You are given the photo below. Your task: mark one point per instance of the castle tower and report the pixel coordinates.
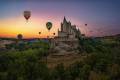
(69, 27)
(64, 26)
(64, 20)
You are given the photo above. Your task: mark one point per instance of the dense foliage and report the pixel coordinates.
(101, 62)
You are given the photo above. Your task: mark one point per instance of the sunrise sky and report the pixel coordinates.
(102, 16)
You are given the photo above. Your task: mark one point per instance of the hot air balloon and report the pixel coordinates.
(85, 24)
(19, 36)
(39, 32)
(49, 25)
(53, 33)
(27, 15)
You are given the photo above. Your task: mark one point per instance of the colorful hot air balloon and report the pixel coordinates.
(27, 15)
(49, 25)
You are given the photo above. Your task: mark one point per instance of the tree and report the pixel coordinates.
(60, 72)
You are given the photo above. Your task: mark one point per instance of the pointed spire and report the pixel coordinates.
(79, 31)
(69, 23)
(64, 19)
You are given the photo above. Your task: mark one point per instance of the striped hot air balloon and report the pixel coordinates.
(27, 15)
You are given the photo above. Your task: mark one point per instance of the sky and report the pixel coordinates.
(101, 16)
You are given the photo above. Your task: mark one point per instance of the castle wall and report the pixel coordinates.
(62, 34)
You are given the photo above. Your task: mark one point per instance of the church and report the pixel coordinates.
(68, 31)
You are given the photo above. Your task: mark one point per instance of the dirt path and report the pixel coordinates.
(66, 59)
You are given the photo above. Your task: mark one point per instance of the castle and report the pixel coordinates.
(67, 39)
(68, 31)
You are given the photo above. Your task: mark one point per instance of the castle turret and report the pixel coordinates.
(65, 25)
(69, 23)
(64, 20)
(61, 26)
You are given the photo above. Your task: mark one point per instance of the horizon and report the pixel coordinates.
(102, 17)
